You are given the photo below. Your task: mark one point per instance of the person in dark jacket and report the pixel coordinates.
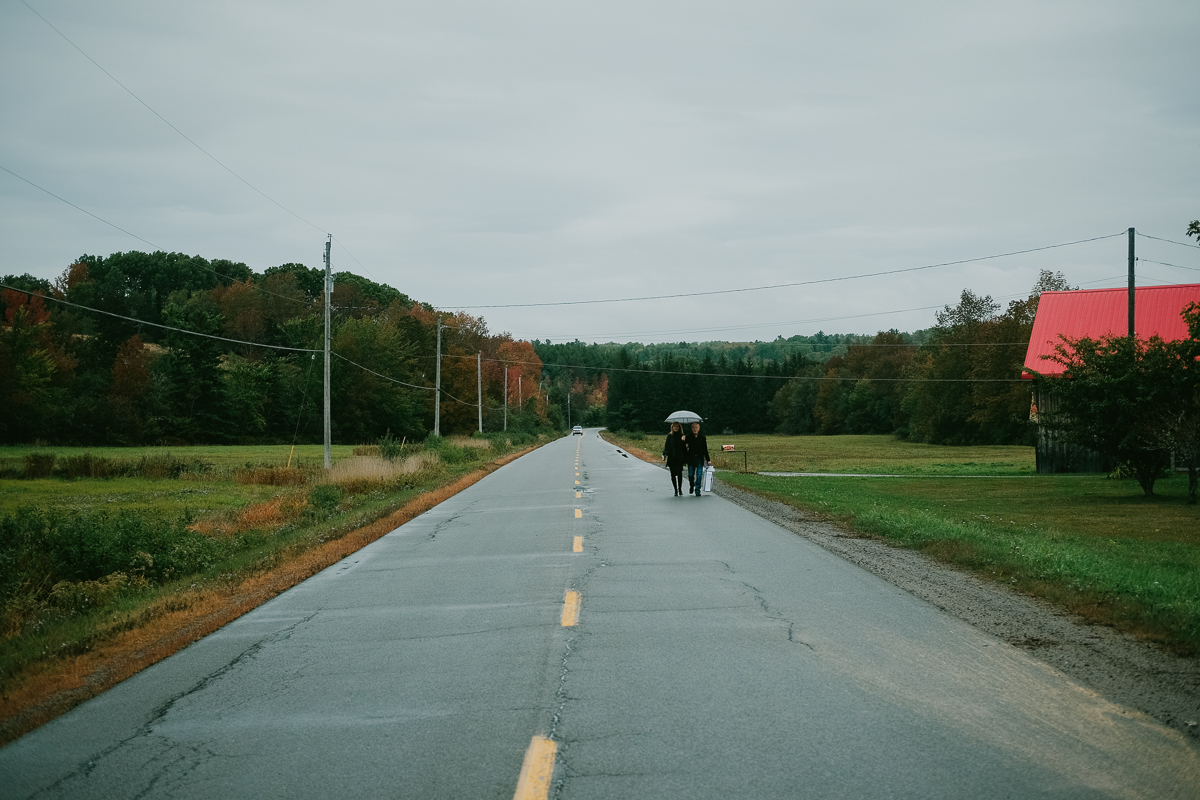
(675, 454)
(698, 458)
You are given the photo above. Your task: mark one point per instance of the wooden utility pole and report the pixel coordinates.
(479, 384)
(437, 392)
(328, 316)
(1132, 333)
(506, 398)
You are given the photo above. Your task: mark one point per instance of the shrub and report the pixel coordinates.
(92, 466)
(38, 465)
(271, 476)
(389, 448)
(325, 497)
(78, 597)
(67, 560)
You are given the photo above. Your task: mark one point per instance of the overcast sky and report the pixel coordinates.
(488, 153)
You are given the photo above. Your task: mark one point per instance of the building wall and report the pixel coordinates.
(1054, 455)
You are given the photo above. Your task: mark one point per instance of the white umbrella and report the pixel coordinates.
(684, 417)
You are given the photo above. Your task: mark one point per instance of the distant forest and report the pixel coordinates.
(83, 372)
(955, 383)
(103, 361)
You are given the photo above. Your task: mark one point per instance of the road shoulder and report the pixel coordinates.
(1122, 669)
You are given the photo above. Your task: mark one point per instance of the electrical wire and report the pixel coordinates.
(385, 377)
(797, 283)
(84, 210)
(229, 278)
(190, 141)
(1165, 264)
(1170, 241)
(166, 121)
(158, 325)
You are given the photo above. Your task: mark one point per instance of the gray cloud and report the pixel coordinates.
(479, 153)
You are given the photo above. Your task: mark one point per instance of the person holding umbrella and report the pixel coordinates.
(698, 458)
(692, 450)
(675, 454)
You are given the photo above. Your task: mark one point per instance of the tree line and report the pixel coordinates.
(955, 383)
(105, 360)
(97, 368)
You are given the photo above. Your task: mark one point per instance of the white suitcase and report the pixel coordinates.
(706, 483)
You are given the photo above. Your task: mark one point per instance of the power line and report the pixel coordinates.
(789, 322)
(212, 336)
(84, 210)
(157, 325)
(735, 375)
(799, 283)
(1170, 241)
(1165, 264)
(166, 121)
(229, 278)
(385, 377)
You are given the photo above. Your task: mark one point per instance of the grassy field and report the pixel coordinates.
(94, 569)
(1096, 546)
(857, 454)
(216, 455)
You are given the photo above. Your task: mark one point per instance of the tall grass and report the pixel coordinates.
(370, 473)
(156, 466)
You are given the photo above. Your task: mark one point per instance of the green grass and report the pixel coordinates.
(867, 455)
(221, 457)
(167, 498)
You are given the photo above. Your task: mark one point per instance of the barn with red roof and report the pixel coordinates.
(1095, 313)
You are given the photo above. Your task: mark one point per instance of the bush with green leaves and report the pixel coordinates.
(75, 561)
(326, 497)
(391, 448)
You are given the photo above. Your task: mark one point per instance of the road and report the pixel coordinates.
(568, 627)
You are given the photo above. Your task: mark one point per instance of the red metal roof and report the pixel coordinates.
(1097, 312)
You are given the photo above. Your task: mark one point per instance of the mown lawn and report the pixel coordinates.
(866, 455)
(1096, 546)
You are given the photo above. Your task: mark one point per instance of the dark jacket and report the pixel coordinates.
(697, 448)
(674, 449)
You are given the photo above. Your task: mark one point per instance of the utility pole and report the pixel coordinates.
(479, 384)
(437, 391)
(328, 305)
(520, 395)
(1132, 333)
(568, 408)
(506, 398)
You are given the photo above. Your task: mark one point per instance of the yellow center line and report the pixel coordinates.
(579, 494)
(578, 513)
(576, 483)
(570, 614)
(537, 769)
(578, 548)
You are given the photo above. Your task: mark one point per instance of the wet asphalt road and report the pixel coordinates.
(714, 655)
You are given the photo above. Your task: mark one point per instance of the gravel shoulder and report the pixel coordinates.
(1116, 666)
